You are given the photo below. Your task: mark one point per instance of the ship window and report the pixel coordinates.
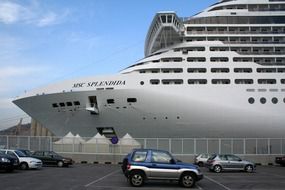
(251, 100)
(131, 100)
(282, 81)
(61, 104)
(196, 59)
(221, 81)
(110, 101)
(169, 18)
(197, 81)
(142, 71)
(274, 100)
(266, 70)
(281, 70)
(244, 81)
(154, 81)
(174, 70)
(196, 70)
(266, 81)
(77, 103)
(263, 100)
(69, 103)
(142, 82)
(163, 18)
(243, 70)
(54, 105)
(284, 100)
(219, 59)
(172, 81)
(220, 70)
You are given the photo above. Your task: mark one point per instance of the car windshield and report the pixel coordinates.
(20, 153)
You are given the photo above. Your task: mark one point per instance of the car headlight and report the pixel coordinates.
(5, 160)
(33, 162)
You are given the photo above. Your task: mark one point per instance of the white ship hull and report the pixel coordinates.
(178, 111)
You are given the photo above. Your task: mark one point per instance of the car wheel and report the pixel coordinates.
(59, 163)
(188, 180)
(137, 178)
(217, 168)
(248, 168)
(200, 164)
(24, 166)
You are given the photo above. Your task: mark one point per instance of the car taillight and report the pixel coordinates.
(283, 158)
(128, 166)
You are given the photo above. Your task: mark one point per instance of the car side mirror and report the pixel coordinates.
(178, 161)
(172, 161)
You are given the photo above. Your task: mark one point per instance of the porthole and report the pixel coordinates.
(69, 103)
(166, 117)
(284, 100)
(251, 100)
(142, 82)
(61, 104)
(178, 117)
(263, 100)
(274, 100)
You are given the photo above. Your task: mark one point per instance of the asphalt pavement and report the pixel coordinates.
(110, 177)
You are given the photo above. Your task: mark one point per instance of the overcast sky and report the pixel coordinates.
(45, 41)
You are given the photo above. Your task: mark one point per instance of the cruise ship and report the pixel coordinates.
(219, 73)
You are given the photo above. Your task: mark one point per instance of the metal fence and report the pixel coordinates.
(177, 146)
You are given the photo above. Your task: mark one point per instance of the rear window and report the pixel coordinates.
(139, 156)
(212, 157)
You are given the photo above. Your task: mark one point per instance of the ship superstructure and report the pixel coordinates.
(219, 73)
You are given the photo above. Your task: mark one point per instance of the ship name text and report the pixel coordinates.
(99, 83)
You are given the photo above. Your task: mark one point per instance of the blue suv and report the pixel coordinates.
(149, 164)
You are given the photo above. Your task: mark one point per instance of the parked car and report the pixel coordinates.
(280, 160)
(149, 164)
(201, 159)
(25, 162)
(26, 152)
(8, 163)
(52, 158)
(221, 162)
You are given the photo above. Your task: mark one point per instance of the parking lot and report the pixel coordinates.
(110, 177)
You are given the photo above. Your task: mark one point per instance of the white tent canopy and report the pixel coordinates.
(128, 140)
(98, 139)
(69, 138)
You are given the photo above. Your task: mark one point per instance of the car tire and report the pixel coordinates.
(137, 178)
(60, 163)
(200, 164)
(24, 166)
(187, 180)
(248, 168)
(217, 169)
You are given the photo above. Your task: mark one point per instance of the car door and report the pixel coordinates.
(162, 166)
(49, 157)
(235, 162)
(223, 161)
